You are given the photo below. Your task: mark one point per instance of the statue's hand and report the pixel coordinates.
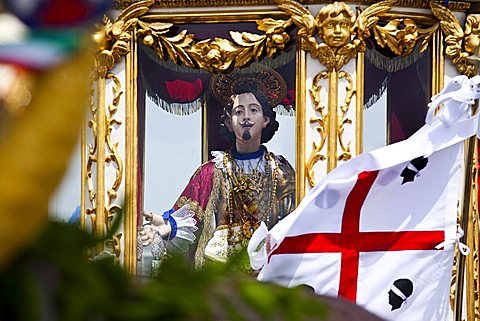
(157, 223)
(153, 218)
(147, 234)
(163, 228)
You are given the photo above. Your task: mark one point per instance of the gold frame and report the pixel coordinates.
(300, 123)
(131, 160)
(120, 41)
(122, 4)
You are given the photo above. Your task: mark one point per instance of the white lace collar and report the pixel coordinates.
(218, 158)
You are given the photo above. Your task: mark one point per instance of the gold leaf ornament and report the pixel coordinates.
(270, 26)
(135, 10)
(104, 62)
(157, 27)
(402, 36)
(117, 35)
(277, 38)
(369, 17)
(400, 40)
(181, 43)
(303, 19)
(151, 31)
(214, 55)
(117, 28)
(247, 39)
(300, 16)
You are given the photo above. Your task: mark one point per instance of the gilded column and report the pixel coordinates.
(332, 120)
(99, 229)
(131, 161)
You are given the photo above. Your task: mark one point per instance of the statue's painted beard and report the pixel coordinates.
(246, 135)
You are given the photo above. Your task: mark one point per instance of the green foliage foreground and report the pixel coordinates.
(52, 280)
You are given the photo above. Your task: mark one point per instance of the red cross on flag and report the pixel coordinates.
(380, 229)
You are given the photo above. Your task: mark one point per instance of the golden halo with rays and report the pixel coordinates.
(265, 80)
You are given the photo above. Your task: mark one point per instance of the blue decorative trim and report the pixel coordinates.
(173, 224)
(251, 155)
(168, 213)
(167, 216)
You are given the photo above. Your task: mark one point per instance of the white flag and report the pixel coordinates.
(380, 229)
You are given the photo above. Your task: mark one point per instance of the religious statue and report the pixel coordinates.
(229, 196)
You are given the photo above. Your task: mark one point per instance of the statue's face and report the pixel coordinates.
(247, 121)
(336, 30)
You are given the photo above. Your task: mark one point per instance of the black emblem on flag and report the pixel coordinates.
(413, 168)
(400, 290)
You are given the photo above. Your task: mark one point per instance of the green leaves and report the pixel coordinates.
(54, 280)
(57, 278)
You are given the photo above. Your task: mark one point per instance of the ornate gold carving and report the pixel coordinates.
(474, 300)
(335, 24)
(472, 264)
(402, 40)
(91, 160)
(453, 280)
(343, 35)
(130, 221)
(472, 33)
(332, 120)
(113, 157)
(321, 120)
(300, 122)
(213, 55)
(438, 58)
(121, 4)
(466, 223)
(475, 269)
(455, 37)
(344, 120)
(218, 54)
(114, 38)
(153, 35)
(359, 95)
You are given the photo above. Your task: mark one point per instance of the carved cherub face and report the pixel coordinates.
(335, 24)
(472, 33)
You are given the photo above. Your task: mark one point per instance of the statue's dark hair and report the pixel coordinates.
(267, 109)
